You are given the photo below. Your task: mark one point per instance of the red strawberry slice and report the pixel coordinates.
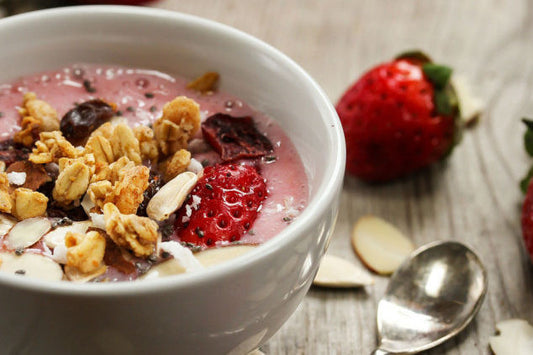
(399, 117)
(222, 207)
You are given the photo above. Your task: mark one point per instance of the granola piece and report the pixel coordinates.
(52, 146)
(28, 203)
(37, 116)
(138, 234)
(205, 83)
(29, 131)
(147, 143)
(105, 130)
(85, 252)
(72, 182)
(125, 144)
(101, 148)
(175, 165)
(112, 172)
(128, 191)
(179, 123)
(2, 166)
(6, 201)
(98, 191)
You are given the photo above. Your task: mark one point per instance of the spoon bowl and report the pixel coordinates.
(430, 298)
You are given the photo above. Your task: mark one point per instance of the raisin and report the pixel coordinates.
(235, 137)
(155, 183)
(78, 123)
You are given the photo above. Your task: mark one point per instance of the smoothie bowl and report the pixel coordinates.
(168, 184)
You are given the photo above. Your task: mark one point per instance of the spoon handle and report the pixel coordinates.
(380, 352)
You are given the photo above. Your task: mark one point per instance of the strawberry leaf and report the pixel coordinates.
(439, 75)
(443, 105)
(528, 136)
(524, 183)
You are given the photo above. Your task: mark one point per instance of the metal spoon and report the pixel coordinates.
(430, 298)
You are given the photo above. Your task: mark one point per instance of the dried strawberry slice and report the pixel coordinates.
(235, 137)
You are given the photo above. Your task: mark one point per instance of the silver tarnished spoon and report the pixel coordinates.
(430, 298)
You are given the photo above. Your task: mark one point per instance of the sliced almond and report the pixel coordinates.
(31, 265)
(75, 275)
(166, 268)
(6, 223)
(215, 256)
(380, 245)
(515, 338)
(27, 232)
(171, 196)
(337, 272)
(57, 236)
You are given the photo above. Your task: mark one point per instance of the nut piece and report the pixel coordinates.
(28, 203)
(179, 123)
(71, 183)
(166, 268)
(147, 143)
(31, 265)
(27, 232)
(37, 116)
(171, 196)
(380, 245)
(204, 83)
(50, 147)
(174, 166)
(85, 252)
(337, 272)
(515, 338)
(6, 223)
(138, 234)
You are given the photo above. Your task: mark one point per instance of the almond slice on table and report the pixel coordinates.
(171, 196)
(515, 338)
(27, 232)
(380, 245)
(6, 223)
(471, 106)
(166, 268)
(215, 256)
(31, 265)
(337, 272)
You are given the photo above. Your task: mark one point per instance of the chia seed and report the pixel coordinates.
(19, 251)
(130, 108)
(20, 272)
(88, 87)
(153, 109)
(199, 232)
(149, 95)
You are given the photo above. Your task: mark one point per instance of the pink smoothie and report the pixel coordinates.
(140, 95)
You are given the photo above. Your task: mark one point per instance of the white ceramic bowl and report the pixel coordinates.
(235, 307)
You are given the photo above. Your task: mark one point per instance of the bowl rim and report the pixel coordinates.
(325, 194)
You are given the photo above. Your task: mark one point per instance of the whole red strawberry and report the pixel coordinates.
(399, 117)
(223, 205)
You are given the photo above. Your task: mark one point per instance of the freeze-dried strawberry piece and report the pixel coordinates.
(235, 137)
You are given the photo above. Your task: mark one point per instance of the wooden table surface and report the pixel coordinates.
(473, 197)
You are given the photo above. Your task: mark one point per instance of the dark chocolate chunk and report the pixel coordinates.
(235, 137)
(11, 152)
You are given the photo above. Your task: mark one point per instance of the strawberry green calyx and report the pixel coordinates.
(528, 145)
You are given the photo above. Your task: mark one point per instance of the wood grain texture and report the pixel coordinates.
(473, 197)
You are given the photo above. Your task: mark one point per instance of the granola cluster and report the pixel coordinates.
(108, 176)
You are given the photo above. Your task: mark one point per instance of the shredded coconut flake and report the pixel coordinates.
(196, 202)
(16, 178)
(182, 255)
(98, 220)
